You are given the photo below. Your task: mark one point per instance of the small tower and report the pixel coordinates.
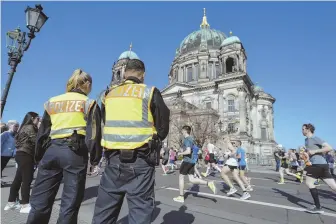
(118, 68)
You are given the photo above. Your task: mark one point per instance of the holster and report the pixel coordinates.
(155, 147)
(127, 156)
(74, 142)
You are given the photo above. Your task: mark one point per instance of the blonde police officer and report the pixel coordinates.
(71, 122)
(133, 113)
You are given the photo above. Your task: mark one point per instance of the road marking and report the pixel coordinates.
(250, 201)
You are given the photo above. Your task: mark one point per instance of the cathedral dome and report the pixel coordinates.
(213, 38)
(230, 40)
(128, 54)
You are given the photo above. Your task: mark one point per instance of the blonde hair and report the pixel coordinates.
(77, 81)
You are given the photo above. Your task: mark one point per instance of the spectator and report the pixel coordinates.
(8, 143)
(3, 127)
(25, 145)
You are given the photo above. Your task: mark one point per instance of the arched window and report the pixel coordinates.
(229, 65)
(231, 103)
(118, 76)
(263, 130)
(176, 74)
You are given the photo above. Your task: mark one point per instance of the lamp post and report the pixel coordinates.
(220, 125)
(17, 44)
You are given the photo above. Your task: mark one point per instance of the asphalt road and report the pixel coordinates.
(270, 203)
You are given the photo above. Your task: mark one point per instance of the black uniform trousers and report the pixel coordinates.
(136, 181)
(59, 162)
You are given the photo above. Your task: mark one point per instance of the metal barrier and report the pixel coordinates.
(256, 159)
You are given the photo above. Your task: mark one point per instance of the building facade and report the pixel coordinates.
(209, 88)
(209, 83)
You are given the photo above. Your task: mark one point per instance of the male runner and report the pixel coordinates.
(319, 168)
(231, 165)
(240, 155)
(188, 166)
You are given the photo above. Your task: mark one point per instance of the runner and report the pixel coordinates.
(212, 162)
(165, 156)
(231, 165)
(319, 168)
(172, 156)
(240, 155)
(285, 166)
(188, 167)
(294, 164)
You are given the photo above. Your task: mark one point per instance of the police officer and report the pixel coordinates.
(70, 129)
(135, 118)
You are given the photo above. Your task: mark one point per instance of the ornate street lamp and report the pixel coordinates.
(17, 45)
(220, 125)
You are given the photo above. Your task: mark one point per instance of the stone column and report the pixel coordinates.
(224, 65)
(193, 71)
(270, 123)
(254, 119)
(204, 69)
(242, 109)
(221, 103)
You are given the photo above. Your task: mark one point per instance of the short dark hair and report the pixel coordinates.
(240, 143)
(135, 65)
(310, 127)
(187, 128)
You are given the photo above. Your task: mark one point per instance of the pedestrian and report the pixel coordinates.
(187, 167)
(319, 168)
(8, 143)
(4, 127)
(135, 119)
(241, 155)
(25, 150)
(69, 130)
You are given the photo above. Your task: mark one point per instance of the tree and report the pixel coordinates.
(202, 121)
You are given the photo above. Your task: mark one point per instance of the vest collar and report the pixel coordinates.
(77, 91)
(133, 79)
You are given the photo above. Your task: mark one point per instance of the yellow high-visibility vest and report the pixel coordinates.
(128, 118)
(68, 113)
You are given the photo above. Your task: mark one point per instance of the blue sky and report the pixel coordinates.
(290, 47)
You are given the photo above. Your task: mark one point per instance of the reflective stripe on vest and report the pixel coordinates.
(127, 127)
(68, 113)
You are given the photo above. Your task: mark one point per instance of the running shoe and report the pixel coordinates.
(179, 199)
(249, 188)
(245, 196)
(315, 210)
(232, 191)
(212, 186)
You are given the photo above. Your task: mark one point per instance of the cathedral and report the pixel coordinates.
(210, 90)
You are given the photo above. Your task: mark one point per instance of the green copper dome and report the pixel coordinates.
(213, 38)
(257, 88)
(128, 54)
(209, 38)
(230, 40)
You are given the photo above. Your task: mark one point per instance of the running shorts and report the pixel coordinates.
(231, 167)
(212, 158)
(242, 167)
(318, 171)
(187, 168)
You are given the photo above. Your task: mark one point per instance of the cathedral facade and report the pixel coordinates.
(210, 90)
(208, 80)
